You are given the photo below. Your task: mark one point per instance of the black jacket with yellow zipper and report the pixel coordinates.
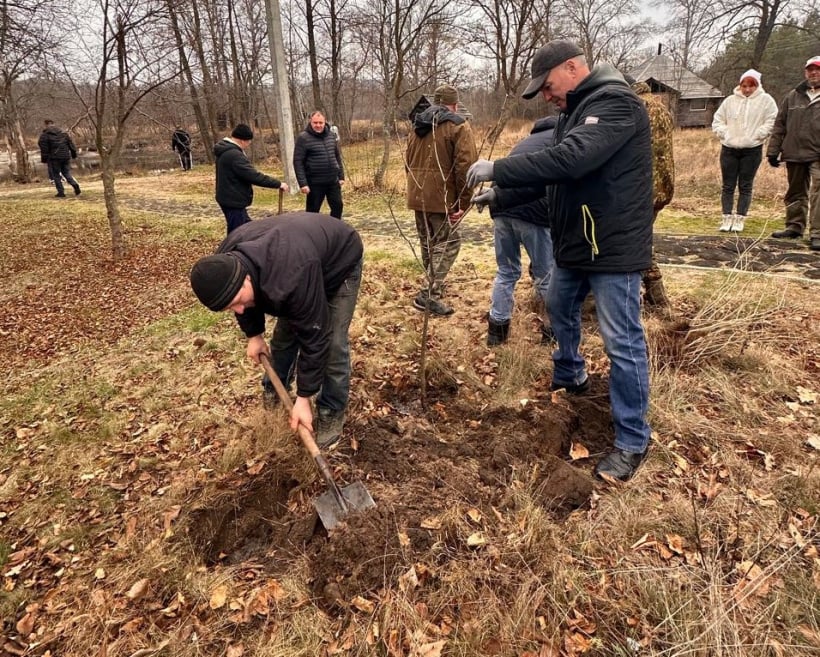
(601, 169)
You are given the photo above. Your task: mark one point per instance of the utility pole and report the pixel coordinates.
(280, 83)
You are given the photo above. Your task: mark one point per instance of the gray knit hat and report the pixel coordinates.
(216, 280)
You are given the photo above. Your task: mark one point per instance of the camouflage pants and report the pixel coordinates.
(440, 244)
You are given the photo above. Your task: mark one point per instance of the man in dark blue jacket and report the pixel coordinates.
(601, 214)
(304, 269)
(528, 225)
(317, 162)
(235, 177)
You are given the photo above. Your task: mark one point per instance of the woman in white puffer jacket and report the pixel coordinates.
(743, 122)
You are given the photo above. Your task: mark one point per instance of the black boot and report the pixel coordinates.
(497, 332)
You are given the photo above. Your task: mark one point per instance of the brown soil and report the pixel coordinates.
(418, 466)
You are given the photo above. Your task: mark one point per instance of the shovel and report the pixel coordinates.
(335, 504)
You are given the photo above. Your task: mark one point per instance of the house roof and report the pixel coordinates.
(663, 69)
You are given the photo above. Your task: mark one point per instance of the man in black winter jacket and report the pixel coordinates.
(181, 143)
(305, 269)
(317, 161)
(235, 177)
(56, 151)
(601, 214)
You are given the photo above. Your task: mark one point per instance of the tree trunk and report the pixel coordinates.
(112, 208)
(204, 132)
(387, 123)
(314, 62)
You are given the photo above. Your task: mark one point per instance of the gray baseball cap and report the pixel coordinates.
(554, 53)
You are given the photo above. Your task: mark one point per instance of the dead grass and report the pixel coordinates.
(106, 446)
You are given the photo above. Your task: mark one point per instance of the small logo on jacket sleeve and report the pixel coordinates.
(591, 120)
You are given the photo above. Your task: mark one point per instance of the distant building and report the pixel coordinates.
(691, 100)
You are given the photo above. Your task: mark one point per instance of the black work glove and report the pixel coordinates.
(773, 161)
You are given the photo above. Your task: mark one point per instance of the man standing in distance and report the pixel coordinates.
(235, 177)
(601, 214)
(440, 149)
(796, 141)
(317, 162)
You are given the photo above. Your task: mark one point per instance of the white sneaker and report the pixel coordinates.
(738, 223)
(726, 224)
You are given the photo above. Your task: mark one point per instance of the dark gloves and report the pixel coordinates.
(773, 161)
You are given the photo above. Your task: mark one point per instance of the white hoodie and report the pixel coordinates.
(742, 122)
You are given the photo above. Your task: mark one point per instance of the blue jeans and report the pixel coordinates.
(510, 234)
(617, 303)
(285, 348)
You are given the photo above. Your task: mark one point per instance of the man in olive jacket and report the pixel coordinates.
(440, 149)
(601, 214)
(795, 140)
(56, 152)
(305, 269)
(235, 177)
(317, 162)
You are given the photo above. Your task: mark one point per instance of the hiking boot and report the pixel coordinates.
(329, 425)
(60, 195)
(738, 223)
(814, 245)
(76, 190)
(619, 465)
(437, 307)
(571, 389)
(726, 224)
(497, 332)
(787, 233)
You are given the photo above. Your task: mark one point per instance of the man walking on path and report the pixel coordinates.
(795, 140)
(317, 162)
(56, 151)
(440, 149)
(235, 177)
(601, 216)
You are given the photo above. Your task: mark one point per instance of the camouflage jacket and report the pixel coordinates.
(663, 163)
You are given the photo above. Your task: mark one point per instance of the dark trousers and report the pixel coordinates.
(318, 193)
(185, 159)
(60, 169)
(235, 217)
(803, 197)
(738, 167)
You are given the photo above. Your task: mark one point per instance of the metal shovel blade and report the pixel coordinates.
(331, 512)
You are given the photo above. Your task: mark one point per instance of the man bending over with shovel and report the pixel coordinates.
(305, 269)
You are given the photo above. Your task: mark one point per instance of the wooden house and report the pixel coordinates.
(691, 100)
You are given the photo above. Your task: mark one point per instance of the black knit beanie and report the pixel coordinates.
(242, 131)
(216, 280)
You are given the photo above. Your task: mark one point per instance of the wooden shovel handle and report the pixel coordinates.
(281, 200)
(304, 433)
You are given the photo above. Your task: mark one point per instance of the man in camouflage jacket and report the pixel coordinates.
(663, 180)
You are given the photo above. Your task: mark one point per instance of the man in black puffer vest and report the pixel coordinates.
(318, 165)
(56, 152)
